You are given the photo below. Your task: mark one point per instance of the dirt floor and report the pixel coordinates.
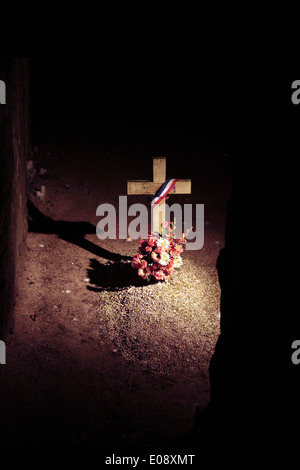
(98, 357)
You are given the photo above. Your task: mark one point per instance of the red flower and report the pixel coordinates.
(159, 275)
(151, 242)
(144, 272)
(168, 271)
(175, 249)
(145, 247)
(156, 254)
(155, 266)
(136, 261)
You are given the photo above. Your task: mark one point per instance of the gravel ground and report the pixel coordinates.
(168, 327)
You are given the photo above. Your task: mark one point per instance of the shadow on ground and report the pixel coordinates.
(72, 232)
(114, 275)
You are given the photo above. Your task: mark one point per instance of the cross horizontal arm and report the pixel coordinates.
(183, 186)
(142, 187)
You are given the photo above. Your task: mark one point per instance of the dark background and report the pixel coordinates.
(233, 93)
(232, 85)
(164, 90)
(233, 90)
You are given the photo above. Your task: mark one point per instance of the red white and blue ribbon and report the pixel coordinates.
(163, 191)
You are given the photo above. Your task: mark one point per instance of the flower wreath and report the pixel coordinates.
(160, 255)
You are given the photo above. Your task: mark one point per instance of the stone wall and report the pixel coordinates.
(14, 147)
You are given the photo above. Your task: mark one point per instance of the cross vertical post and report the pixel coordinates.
(145, 187)
(158, 212)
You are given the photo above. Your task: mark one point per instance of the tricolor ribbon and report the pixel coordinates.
(163, 191)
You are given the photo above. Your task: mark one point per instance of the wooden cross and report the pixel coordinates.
(150, 187)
